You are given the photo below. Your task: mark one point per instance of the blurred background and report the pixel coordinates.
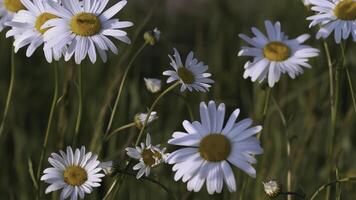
(210, 28)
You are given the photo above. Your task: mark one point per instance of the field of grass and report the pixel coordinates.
(303, 147)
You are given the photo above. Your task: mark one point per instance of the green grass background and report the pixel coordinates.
(211, 29)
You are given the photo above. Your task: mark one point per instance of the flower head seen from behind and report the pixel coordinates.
(209, 147)
(192, 75)
(85, 27)
(275, 54)
(75, 172)
(140, 119)
(149, 156)
(153, 85)
(338, 16)
(7, 10)
(26, 28)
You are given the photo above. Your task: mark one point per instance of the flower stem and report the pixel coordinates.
(117, 100)
(119, 129)
(9, 93)
(151, 109)
(327, 185)
(119, 182)
(284, 122)
(80, 106)
(169, 193)
(349, 80)
(290, 194)
(49, 125)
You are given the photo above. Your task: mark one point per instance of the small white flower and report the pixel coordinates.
(107, 167)
(148, 155)
(76, 173)
(192, 75)
(7, 10)
(153, 85)
(140, 118)
(275, 54)
(85, 28)
(26, 28)
(338, 16)
(209, 148)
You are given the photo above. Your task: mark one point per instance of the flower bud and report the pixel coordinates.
(140, 118)
(152, 37)
(153, 85)
(272, 188)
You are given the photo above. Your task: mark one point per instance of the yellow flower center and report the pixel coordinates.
(13, 5)
(276, 51)
(150, 156)
(75, 176)
(346, 10)
(41, 19)
(185, 75)
(215, 147)
(85, 24)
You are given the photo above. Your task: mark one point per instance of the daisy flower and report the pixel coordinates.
(209, 148)
(140, 118)
(85, 29)
(153, 85)
(76, 173)
(26, 28)
(275, 54)
(7, 10)
(192, 75)
(338, 16)
(149, 156)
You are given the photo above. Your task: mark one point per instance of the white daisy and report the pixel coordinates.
(148, 155)
(140, 118)
(85, 28)
(275, 54)
(108, 167)
(210, 148)
(191, 75)
(153, 85)
(26, 28)
(76, 173)
(338, 16)
(7, 10)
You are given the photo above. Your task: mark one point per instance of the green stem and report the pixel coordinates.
(290, 194)
(151, 109)
(349, 80)
(119, 129)
(327, 185)
(49, 125)
(265, 108)
(169, 193)
(139, 138)
(80, 106)
(9, 93)
(285, 125)
(108, 128)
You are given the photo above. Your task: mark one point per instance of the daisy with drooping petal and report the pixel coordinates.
(275, 54)
(7, 10)
(209, 148)
(338, 16)
(76, 173)
(86, 28)
(192, 75)
(149, 156)
(26, 28)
